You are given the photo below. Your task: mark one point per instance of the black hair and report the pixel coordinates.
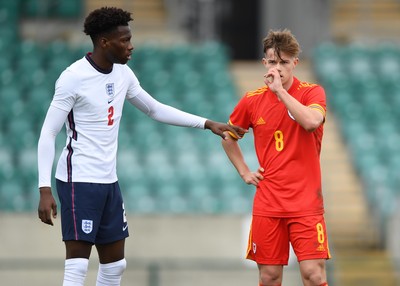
(104, 20)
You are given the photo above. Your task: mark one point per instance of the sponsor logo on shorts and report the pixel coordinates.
(254, 248)
(124, 227)
(87, 226)
(320, 248)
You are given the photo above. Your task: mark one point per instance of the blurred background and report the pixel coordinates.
(188, 210)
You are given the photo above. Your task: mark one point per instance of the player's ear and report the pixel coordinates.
(103, 42)
(296, 61)
(264, 61)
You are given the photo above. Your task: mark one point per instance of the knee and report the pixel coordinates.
(314, 273)
(122, 266)
(110, 274)
(119, 267)
(270, 275)
(113, 269)
(75, 271)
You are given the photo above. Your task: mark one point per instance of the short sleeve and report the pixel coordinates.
(134, 87)
(65, 91)
(316, 99)
(240, 115)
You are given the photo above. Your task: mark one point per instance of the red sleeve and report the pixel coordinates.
(240, 115)
(316, 99)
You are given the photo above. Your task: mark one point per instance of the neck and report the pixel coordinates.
(95, 64)
(288, 84)
(101, 61)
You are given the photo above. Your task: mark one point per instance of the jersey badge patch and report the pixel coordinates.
(110, 92)
(254, 248)
(87, 226)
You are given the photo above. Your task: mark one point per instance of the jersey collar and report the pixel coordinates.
(89, 59)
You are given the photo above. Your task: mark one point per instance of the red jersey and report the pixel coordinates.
(289, 154)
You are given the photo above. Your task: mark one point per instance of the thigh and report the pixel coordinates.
(308, 237)
(268, 241)
(111, 252)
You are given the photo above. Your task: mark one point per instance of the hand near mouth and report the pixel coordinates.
(273, 80)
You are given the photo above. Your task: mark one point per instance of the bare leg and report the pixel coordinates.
(313, 272)
(111, 252)
(270, 274)
(77, 249)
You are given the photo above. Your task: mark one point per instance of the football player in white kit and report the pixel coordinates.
(88, 99)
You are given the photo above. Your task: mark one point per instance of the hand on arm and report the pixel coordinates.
(235, 155)
(219, 129)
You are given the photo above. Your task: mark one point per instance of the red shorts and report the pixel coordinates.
(270, 237)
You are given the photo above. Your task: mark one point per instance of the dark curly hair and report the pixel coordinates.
(104, 20)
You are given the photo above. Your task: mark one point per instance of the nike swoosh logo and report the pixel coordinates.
(110, 100)
(124, 227)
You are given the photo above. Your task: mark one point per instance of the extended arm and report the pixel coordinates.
(170, 115)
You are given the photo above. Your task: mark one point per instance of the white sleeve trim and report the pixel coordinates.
(52, 125)
(165, 113)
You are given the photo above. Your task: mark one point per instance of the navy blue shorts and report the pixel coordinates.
(92, 212)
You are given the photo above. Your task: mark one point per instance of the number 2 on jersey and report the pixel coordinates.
(278, 135)
(110, 115)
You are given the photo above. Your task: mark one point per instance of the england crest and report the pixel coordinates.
(87, 226)
(110, 91)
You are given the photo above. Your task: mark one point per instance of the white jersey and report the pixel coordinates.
(89, 102)
(94, 100)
